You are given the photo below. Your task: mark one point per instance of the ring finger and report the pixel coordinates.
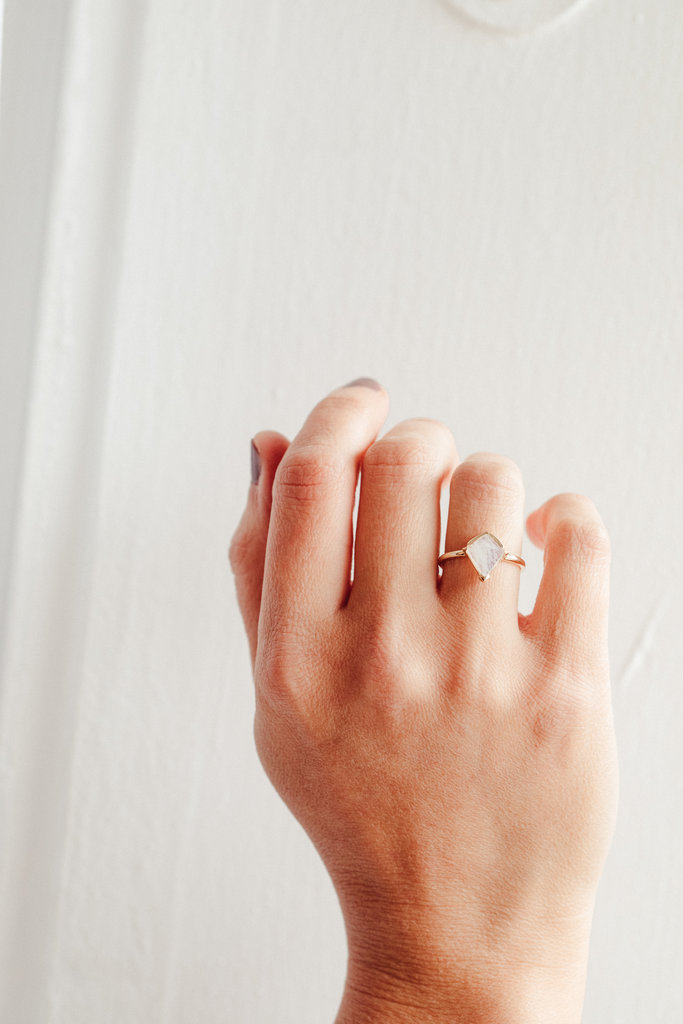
(487, 497)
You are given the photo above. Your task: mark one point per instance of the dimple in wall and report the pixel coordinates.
(516, 15)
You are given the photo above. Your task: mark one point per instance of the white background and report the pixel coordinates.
(211, 214)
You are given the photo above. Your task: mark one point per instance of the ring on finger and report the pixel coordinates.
(485, 552)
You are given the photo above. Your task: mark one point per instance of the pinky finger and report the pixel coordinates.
(573, 598)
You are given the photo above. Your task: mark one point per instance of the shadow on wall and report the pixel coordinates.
(516, 15)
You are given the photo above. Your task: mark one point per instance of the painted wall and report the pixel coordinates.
(215, 213)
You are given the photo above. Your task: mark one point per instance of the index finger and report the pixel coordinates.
(310, 539)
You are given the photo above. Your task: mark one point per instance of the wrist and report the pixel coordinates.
(414, 968)
(469, 995)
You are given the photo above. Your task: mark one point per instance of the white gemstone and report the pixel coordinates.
(485, 553)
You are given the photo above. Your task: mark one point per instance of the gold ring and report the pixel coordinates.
(484, 552)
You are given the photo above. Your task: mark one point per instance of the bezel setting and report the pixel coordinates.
(484, 567)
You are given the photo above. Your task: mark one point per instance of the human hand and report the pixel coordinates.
(453, 762)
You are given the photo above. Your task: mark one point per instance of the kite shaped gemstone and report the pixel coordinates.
(484, 552)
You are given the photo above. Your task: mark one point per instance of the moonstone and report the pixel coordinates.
(485, 553)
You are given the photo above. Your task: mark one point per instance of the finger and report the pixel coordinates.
(308, 559)
(248, 544)
(487, 496)
(573, 598)
(398, 528)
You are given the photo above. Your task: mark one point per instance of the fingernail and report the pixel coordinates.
(255, 464)
(364, 382)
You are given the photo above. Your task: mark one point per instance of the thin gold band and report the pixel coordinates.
(461, 553)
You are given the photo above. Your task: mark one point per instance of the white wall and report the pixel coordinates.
(213, 213)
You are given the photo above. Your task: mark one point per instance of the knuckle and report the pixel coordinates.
(391, 670)
(306, 473)
(291, 684)
(274, 681)
(381, 643)
(582, 538)
(239, 552)
(490, 478)
(281, 663)
(402, 454)
(566, 704)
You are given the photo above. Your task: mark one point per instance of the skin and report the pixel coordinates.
(453, 761)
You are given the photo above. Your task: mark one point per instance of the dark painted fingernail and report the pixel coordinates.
(364, 382)
(255, 464)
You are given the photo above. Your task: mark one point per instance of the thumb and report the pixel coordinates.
(248, 545)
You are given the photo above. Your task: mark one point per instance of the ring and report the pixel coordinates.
(484, 552)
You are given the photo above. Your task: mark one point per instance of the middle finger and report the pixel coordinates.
(398, 529)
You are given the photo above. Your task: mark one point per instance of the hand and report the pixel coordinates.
(453, 762)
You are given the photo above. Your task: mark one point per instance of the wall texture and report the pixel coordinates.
(212, 213)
